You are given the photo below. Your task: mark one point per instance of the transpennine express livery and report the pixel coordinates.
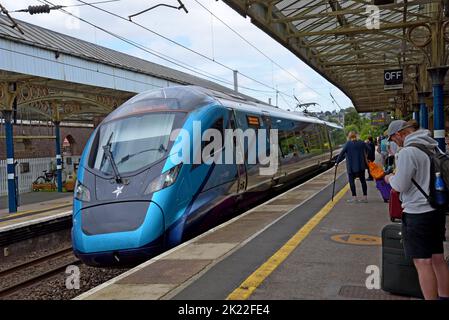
(132, 201)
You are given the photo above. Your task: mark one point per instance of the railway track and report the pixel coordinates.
(32, 272)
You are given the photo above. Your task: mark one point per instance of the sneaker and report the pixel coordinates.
(363, 201)
(351, 201)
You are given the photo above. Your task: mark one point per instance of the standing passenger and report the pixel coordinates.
(383, 149)
(423, 227)
(355, 151)
(371, 153)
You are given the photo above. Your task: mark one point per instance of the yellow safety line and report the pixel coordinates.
(36, 211)
(257, 277)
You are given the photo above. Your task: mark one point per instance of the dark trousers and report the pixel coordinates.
(361, 176)
(369, 174)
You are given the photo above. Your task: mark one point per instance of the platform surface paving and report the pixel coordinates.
(331, 262)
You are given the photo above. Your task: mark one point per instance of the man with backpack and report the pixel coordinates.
(423, 226)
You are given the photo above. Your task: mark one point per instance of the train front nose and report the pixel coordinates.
(118, 233)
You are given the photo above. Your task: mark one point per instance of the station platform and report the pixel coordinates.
(35, 207)
(299, 245)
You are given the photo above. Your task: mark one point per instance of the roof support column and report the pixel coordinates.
(416, 112)
(58, 156)
(9, 92)
(423, 113)
(437, 74)
(56, 121)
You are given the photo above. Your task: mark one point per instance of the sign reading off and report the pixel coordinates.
(393, 79)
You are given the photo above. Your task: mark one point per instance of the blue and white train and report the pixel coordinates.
(132, 201)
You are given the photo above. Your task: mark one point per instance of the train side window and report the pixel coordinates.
(286, 136)
(288, 144)
(323, 137)
(312, 139)
(217, 125)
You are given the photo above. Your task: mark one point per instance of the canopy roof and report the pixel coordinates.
(338, 39)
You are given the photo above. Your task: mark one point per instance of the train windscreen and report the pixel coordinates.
(134, 142)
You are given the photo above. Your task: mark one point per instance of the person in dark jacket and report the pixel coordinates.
(371, 153)
(355, 151)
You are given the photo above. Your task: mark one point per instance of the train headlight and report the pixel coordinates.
(165, 180)
(82, 193)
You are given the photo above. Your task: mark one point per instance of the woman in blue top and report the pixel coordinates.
(355, 151)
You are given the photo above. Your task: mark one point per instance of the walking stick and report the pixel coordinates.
(335, 178)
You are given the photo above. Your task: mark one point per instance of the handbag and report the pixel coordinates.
(375, 170)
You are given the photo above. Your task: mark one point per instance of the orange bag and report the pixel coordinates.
(375, 170)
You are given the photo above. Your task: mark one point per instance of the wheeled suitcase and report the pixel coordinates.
(399, 275)
(384, 188)
(395, 206)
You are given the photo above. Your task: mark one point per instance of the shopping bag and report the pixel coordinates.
(375, 170)
(384, 188)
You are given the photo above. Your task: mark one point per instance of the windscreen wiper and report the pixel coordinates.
(126, 158)
(108, 153)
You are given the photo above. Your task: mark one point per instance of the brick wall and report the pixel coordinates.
(42, 148)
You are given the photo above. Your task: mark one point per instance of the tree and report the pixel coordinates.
(351, 127)
(352, 118)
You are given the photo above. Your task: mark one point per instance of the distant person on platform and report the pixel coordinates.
(371, 153)
(356, 152)
(382, 148)
(423, 227)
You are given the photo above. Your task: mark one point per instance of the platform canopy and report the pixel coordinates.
(340, 40)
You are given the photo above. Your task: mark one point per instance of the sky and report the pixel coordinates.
(219, 49)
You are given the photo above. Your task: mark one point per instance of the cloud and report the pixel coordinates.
(201, 32)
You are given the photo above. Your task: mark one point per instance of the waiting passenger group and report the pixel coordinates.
(358, 153)
(423, 227)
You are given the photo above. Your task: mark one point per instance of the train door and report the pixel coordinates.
(249, 124)
(329, 141)
(324, 142)
(238, 149)
(268, 126)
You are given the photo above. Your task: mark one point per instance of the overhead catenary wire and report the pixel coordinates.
(182, 46)
(335, 100)
(14, 23)
(181, 6)
(258, 50)
(153, 52)
(146, 49)
(162, 56)
(46, 8)
(288, 105)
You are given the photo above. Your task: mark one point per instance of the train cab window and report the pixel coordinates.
(133, 143)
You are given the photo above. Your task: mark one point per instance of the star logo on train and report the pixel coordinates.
(118, 191)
